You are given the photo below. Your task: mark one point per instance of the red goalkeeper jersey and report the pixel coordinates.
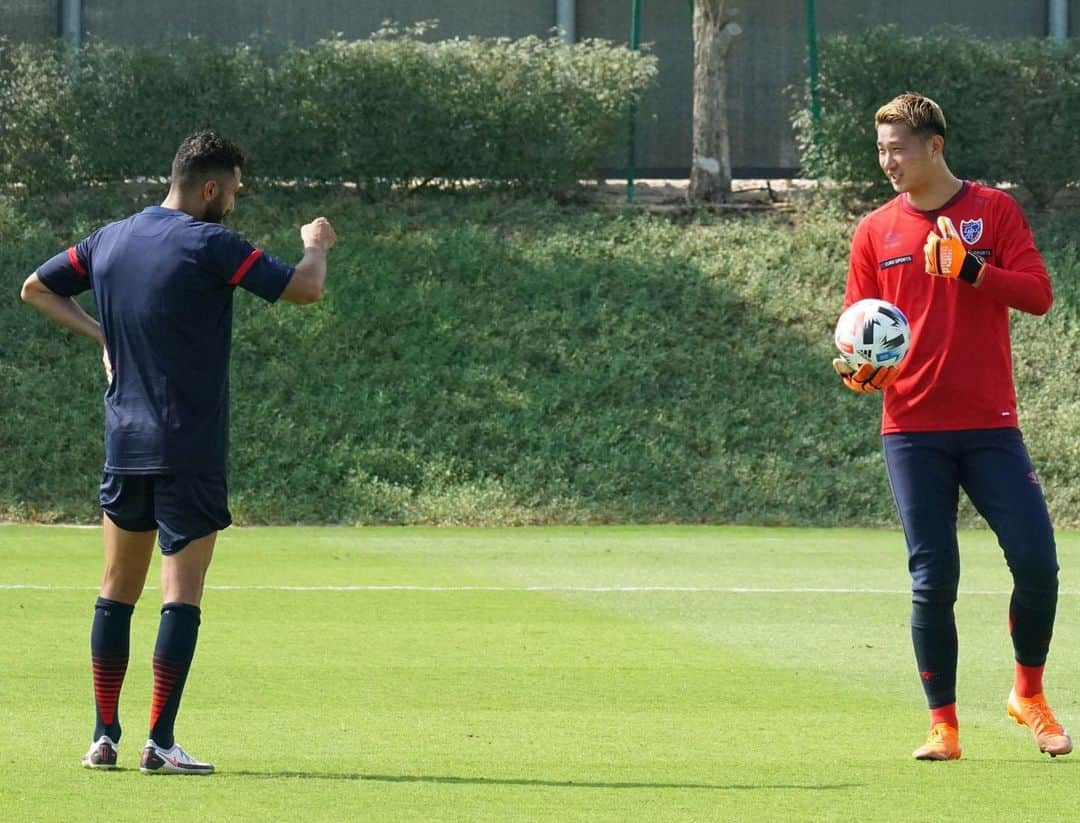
(958, 370)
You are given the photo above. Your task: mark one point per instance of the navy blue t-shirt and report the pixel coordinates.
(163, 284)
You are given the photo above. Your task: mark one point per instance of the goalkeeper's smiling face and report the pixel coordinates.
(910, 160)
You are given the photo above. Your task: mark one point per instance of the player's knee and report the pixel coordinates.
(927, 595)
(1038, 573)
(935, 583)
(1034, 592)
(122, 584)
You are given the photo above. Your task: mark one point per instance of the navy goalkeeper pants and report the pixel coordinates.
(926, 471)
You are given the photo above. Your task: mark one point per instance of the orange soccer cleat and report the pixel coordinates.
(1034, 713)
(942, 743)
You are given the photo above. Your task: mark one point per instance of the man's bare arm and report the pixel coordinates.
(63, 310)
(309, 277)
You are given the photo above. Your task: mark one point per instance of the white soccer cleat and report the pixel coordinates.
(156, 760)
(102, 754)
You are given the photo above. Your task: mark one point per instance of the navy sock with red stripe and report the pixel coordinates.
(175, 648)
(110, 638)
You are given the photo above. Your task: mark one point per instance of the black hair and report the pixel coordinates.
(202, 155)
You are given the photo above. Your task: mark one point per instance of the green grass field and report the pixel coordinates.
(657, 673)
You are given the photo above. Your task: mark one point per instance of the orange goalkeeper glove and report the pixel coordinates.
(866, 379)
(946, 255)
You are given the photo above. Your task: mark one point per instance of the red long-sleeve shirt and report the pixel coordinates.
(958, 370)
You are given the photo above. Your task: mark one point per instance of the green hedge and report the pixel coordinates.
(488, 359)
(1013, 106)
(388, 110)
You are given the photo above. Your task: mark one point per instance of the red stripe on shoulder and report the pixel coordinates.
(73, 258)
(247, 264)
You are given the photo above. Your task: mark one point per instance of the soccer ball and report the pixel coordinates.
(872, 332)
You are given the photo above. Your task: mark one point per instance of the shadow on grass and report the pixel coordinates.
(521, 781)
(1033, 764)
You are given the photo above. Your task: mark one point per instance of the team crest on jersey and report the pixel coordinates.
(971, 230)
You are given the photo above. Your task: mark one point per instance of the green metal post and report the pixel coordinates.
(635, 42)
(811, 51)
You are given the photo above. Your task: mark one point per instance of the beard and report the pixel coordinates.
(215, 211)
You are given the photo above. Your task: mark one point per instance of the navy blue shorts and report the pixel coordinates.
(181, 507)
(992, 466)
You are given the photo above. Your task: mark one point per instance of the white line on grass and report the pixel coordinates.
(566, 589)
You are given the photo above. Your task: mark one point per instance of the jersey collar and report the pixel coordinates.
(965, 187)
(163, 211)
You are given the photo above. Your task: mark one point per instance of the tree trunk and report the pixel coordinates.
(710, 171)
